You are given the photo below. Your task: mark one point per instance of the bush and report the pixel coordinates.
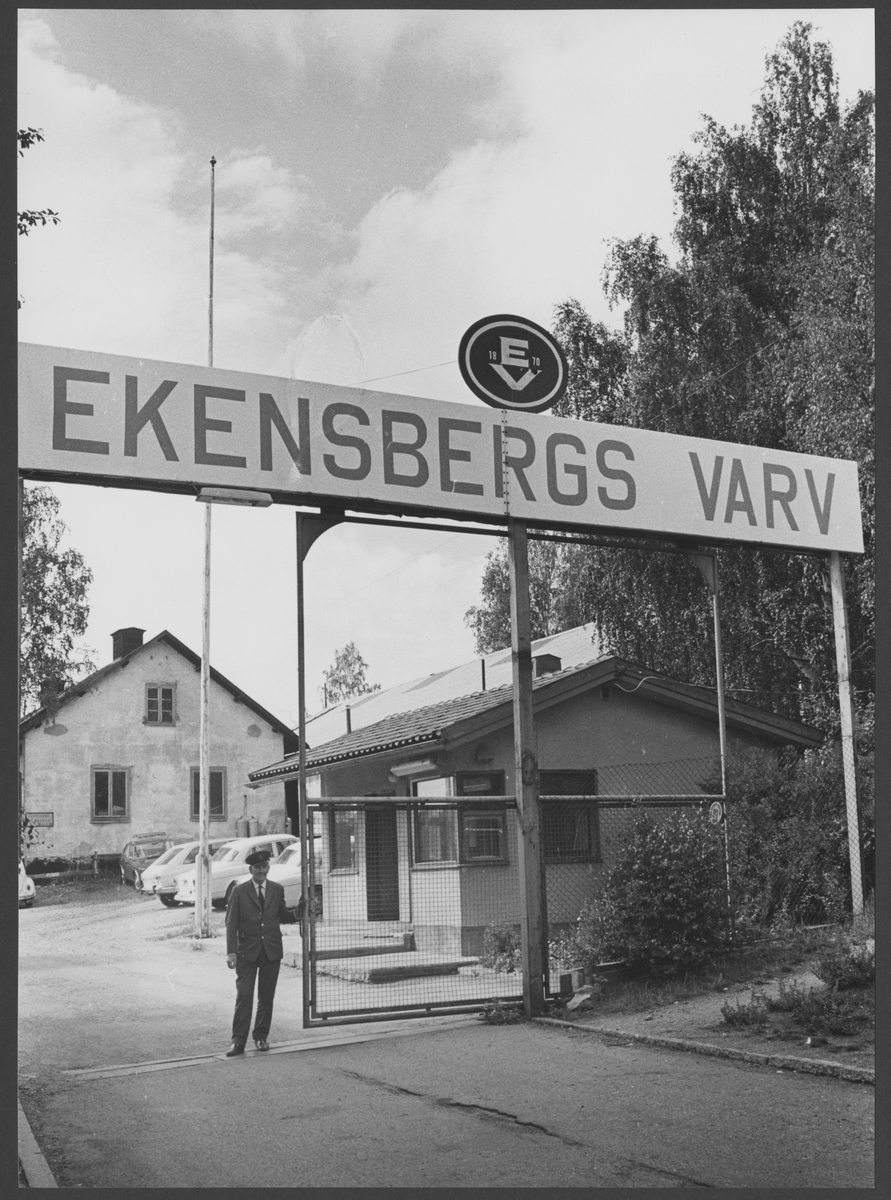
(663, 907)
(844, 965)
(501, 948)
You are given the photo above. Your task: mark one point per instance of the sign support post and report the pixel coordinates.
(309, 528)
(533, 917)
(846, 712)
(202, 870)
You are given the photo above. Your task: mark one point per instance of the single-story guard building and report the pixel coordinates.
(116, 754)
(420, 847)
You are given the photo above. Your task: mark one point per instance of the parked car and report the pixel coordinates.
(139, 853)
(227, 867)
(27, 890)
(159, 877)
(286, 871)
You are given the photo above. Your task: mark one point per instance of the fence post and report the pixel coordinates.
(708, 567)
(533, 918)
(846, 712)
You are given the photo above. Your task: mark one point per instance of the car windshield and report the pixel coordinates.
(167, 855)
(148, 849)
(226, 854)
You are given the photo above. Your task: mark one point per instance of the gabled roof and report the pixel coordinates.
(573, 647)
(36, 718)
(439, 725)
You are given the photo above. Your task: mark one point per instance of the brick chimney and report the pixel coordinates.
(125, 640)
(546, 664)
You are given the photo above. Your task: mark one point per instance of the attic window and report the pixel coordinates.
(159, 708)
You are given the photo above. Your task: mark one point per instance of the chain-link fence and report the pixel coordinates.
(423, 901)
(774, 853)
(792, 823)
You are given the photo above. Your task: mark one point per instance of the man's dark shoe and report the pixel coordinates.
(235, 1048)
(261, 1043)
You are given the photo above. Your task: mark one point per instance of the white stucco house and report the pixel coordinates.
(116, 755)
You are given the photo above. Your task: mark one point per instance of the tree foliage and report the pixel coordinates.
(346, 678)
(54, 602)
(554, 602)
(29, 217)
(762, 333)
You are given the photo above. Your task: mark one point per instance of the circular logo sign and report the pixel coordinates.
(510, 362)
(716, 812)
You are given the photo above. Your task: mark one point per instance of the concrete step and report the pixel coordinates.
(392, 972)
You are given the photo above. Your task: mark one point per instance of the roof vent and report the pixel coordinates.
(125, 640)
(546, 664)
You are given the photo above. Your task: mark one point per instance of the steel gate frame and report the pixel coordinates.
(315, 1013)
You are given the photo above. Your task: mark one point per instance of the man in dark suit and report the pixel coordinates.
(255, 912)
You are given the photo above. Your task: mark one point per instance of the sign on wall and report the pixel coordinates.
(40, 820)
(182, 427)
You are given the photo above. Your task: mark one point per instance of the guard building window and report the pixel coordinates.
(216, 798)
(110, 789)
(159, 709)
(435, 829)
(570, 830)
(343, 827)
(456, 833)
(483, 838)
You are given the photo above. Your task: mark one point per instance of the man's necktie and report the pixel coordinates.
(260, 894)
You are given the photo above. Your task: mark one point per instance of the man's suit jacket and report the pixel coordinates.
(247, 929)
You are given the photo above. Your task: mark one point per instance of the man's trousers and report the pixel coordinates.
(245, 975)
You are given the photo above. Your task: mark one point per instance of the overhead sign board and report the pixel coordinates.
(510, 362)
(179, 427)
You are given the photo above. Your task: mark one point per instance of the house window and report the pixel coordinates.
(110, 787)
(217, 797)
(570, 831)
(343, 825)
(159, 704)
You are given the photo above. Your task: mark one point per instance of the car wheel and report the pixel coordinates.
(168, 901)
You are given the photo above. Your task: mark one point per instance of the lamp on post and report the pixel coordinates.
(210, 496)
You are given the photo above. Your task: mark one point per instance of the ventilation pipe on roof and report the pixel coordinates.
(483, 670)
(349, 719)
(546, 664)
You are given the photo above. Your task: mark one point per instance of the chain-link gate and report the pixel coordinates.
(417, 907)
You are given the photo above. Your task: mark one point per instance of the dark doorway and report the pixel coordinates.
(381, 864)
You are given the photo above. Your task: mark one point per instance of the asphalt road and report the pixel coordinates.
(444, 1103)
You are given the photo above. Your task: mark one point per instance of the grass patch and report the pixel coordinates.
(751, 1014)
(496, 1013)
(826, 1010)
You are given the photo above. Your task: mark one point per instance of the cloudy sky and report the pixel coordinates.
(384, 179)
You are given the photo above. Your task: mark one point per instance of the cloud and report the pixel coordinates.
(255, 194)
(126, 270)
